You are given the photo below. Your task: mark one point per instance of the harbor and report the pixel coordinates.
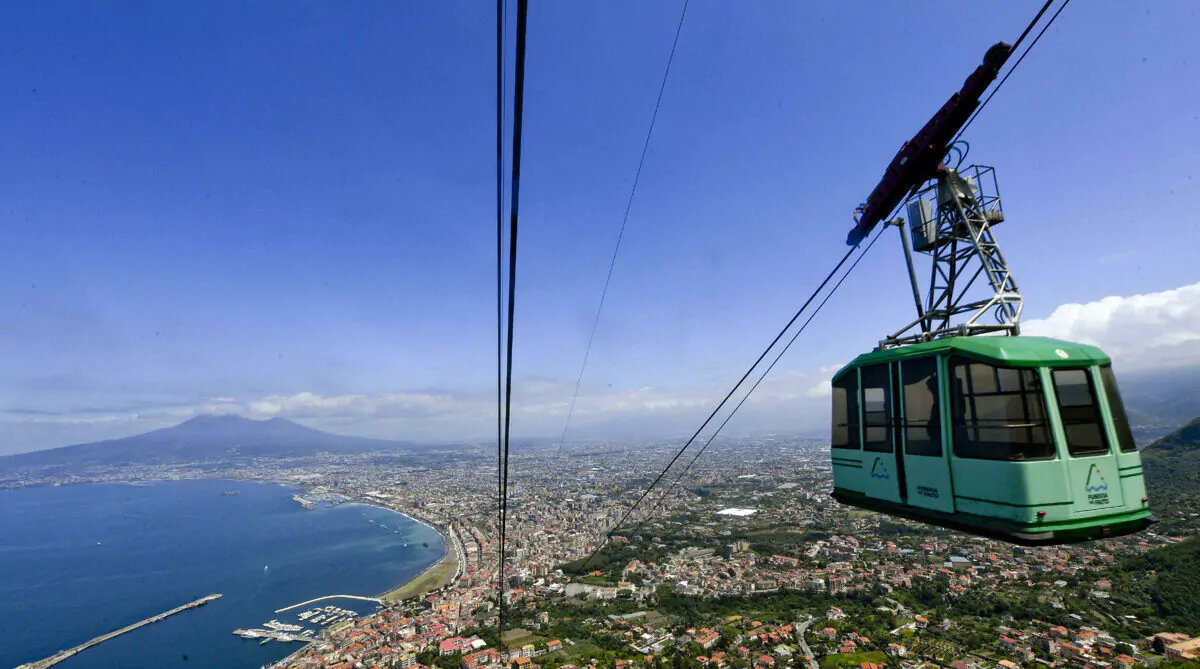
(65, 654)
(268, 634)
(324, 616)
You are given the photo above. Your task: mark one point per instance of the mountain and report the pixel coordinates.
(1163, 584)
(203, 438)
(1172, 470)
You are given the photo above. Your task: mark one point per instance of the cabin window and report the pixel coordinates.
(845, 412)
(877, 409)
(999, 413)
(1117, 409)
(1079, 412)
(922, 413)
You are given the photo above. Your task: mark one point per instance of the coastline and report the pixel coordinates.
(437, 575)
(434, 577)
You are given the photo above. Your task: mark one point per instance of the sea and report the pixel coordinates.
(79, 561)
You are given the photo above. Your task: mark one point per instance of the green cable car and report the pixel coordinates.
(1019, 438)
(958, 421)
(955, 419)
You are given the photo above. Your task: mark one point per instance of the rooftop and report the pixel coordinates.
(1011, 351)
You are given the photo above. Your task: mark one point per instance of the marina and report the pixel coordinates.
(267, 635)
(323, 616)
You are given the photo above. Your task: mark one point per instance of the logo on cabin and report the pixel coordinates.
(879, 471)
(1096, 487)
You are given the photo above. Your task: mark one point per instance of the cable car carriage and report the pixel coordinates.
(1019, 438)
(956, 420)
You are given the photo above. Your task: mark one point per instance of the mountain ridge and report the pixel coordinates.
(202, 438)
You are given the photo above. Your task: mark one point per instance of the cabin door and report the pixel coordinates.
(920, 440)
(882, 459)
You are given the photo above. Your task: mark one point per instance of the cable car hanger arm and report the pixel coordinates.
(919, 158)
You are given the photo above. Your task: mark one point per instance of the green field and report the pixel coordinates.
(847, 660)
(579, 654)
(520, 637)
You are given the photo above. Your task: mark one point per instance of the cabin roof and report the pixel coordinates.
(1004, 351)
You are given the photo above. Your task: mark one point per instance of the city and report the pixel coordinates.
(747, 563)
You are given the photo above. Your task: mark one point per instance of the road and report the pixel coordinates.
(801, 628)
(901, 610)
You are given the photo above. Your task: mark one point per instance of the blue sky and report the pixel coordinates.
(288, 208)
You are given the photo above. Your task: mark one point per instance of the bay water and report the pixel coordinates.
(79, 561)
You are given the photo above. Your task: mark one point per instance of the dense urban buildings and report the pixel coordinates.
(748, 563)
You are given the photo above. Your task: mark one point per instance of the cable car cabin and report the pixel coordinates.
(1023, 439)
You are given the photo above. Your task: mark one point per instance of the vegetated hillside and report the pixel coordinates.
(1172, 467)
(1163, 584)
(201, 439)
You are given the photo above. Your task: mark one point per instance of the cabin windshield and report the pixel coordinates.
(999, 413)
(1116, 408)
(1079, 411)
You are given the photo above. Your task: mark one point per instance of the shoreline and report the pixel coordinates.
(450, 557)
(397, 594)
(448, 541)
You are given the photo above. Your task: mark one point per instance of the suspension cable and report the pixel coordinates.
(787, 327)
(514, 203)
(1037, 17)
(813, 315)
(499, 286)
(715, 411)
(1014, 67)
(678, 478)
(621, 234)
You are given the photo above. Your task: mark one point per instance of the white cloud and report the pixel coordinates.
(309, 404)
(91, 420)
(822, 389)
(1138, 331)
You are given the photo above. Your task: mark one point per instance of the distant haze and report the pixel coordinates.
(1164, 398)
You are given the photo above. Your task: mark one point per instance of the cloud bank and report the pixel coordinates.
(1140, 332)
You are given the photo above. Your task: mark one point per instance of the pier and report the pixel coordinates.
(318, 599)
(64, 654)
